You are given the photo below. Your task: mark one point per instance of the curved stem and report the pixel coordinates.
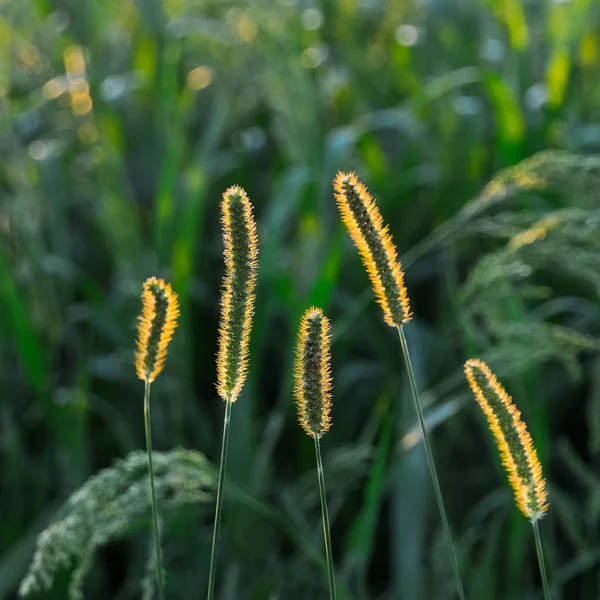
(540, 555)
(431, 463)
(219, 507)
(325, 515)
(148, 428)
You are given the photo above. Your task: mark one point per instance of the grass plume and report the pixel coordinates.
(157, 323)
(375, 244)
(516, 448)
(312, 390)
(312, 387)
(160, 309)
(237, 301)
(237, 307)
(512, 438)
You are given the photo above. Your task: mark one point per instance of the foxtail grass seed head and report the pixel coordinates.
(157, 323)
(313, 372)
(374, 242)
(512, 438)
(237, 301)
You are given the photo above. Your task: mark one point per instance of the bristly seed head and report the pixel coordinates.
(157, 323)
(237, 301)
(374, 242)
(312, 387)
(512, 438)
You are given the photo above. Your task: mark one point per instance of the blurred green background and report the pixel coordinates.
(123, 121)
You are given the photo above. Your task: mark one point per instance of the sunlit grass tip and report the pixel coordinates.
(157, 322)
(512, 438)
(312, 390)
(312, 373)
(375, 244)
(237, 301)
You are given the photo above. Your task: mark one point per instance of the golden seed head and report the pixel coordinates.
(312, 372)
(237, 301)
(512, 438)
(374, 242)
(157, 323)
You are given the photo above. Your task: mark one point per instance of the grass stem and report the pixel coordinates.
(431, 463)
(219, 506)
(148, 428)
(325, 514)
(540, 555)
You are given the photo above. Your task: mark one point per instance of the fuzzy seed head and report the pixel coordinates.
(157, 323)
(374, 242)
(312, 372)
(237, 301)
(512, 438)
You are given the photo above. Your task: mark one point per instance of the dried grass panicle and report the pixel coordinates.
(160, 309)
(512, 438)
(312, 387)
(237, 302)
(374, 242)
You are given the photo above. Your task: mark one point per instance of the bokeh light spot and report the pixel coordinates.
(199, 78)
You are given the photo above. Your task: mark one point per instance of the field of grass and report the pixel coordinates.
(474, 123)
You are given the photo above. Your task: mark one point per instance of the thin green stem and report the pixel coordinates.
(325, 514)
(431, 463)
(540, 555)
(148, 428)
(219, 507)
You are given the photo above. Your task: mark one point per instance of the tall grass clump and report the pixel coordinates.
(237, 306)
(157, 323)
(365, 224)
(516, 449)
(312, 389)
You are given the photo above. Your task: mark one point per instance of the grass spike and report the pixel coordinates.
(160, 309)
(312, 390)
(237, 301)
(237, 307)
(514, 442)
(313, 372)
(157, 324)
(517, 451)
(375, 244)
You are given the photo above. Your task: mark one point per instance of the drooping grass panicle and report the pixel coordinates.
(109, 506)
(374, 242)
(512, 438)
(312, 387)
(160, 309)
(237, 302)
